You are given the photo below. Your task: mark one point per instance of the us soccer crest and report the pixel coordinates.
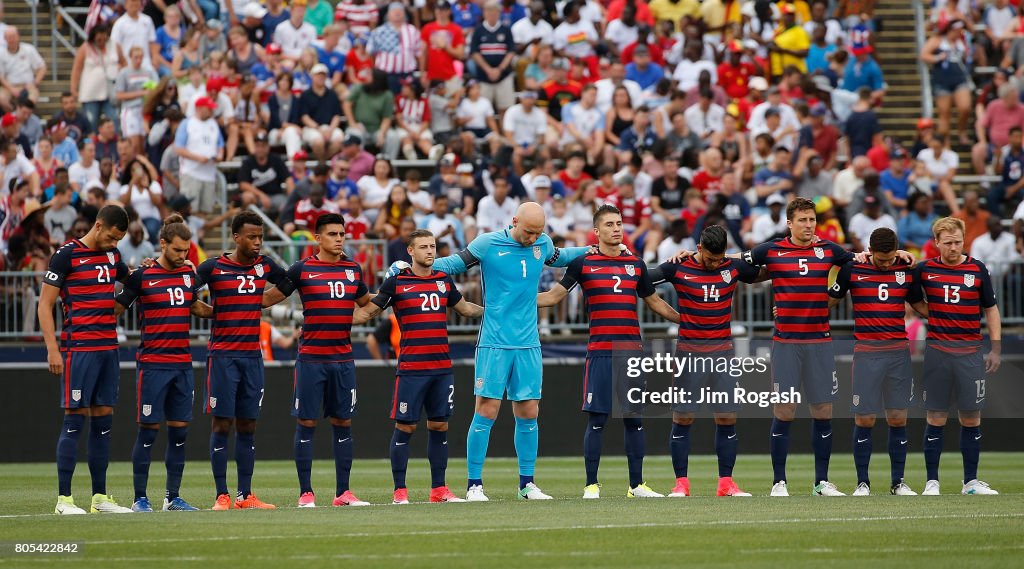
(213, 403)
(147, 409)
(590, 398)
(968, 280)
(110, 257)
(726, 276)
(856, 400)
(188, 280)
(76, 394)
(440, 286)
(631, 270)
(259, 269)
(536, 253)
(819, 252)
(901, 277)
(403, 407)
(350, 275)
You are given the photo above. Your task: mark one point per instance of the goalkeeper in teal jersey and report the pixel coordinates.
(508, 358)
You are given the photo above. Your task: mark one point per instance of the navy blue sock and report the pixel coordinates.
(932, 450)
(636, 448)
(245, 461)
(399, 456)
(897, 453)
(821, 434)
(219, 461)
(726, 443)
(141, 458)
(437, 454)
(342, 458)
(779, 445)
(174, 459)
(304, 456)
(99, 451)
(593, 439)
(67, 451)
(862, 453)
(679, 446)
(970, 448)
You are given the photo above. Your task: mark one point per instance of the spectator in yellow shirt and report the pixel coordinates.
(674, 10)
(790, 45)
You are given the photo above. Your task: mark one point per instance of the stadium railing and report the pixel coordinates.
(76, 33)
(751, 309)
(922, 69)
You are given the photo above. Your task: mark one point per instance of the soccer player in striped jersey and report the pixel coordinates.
(705, 286)
(802, 354)
(330, 286)
(882, 375)
(611, 280)
(420, 298)
(234, 366)
(956, 289)
(165, 387)
(82, 273)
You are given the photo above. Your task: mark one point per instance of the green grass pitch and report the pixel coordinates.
(801, 531)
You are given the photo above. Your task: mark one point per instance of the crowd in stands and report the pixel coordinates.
(682, 113)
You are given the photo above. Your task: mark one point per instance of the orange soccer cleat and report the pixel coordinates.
(726, 487)
(223, 502)
(251, 502)
(443, 494)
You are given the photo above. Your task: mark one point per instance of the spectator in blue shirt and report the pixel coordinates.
(466, 14)
(895, 181)
(643, 70)
(863, 71)
(915, 228)
(511, 12)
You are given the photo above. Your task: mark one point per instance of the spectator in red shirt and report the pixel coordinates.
(825, 136)
(643, 11)
(309, 210)
(636, 217)
(573, 175)
(695, 207)
(734, 74)
(708, 180)
(644, 38)
(445, 45)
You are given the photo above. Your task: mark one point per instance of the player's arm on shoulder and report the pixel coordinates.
(562, 257)
(838, 290)
(375, 304)
(204, 271)
(131, 291)
(571, 278)
(286, 285)
(60, 266)
(915, 296)
(645, 290)
(465, 259)
(758, 256)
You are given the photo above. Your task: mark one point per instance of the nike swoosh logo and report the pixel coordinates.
(826, 436)
(534, 428)
(343, 440)
(784, 253)
(444, 443)
(639, 429)
(179, 444)
(930, 439)
(408, 288)
(144, 445)
(223, 272)
(979, 400)
(105, 432)
(400, 444)
(74, 431)
(479, 430)
(860, 278)
(776, 434)
(304, 440)
(154, 283)
(218, 449)
(679, 437)
(596, 428)
(903, 442)
(977, 438)
(930, 277)
(503, 253)
(731, 437)
(83, 261)
(863, 440)
(595, 269)
(688, 277)
(314, 275)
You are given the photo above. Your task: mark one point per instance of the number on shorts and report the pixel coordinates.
(451, 394)
(980, 385)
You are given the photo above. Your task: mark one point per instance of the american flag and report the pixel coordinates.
(396, 51)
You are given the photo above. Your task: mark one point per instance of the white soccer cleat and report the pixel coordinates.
(66, 507)
(780, 489)
(532, 492)
(931, 488)
(105, 504)
(643, 491)
(826, 488)
(592, 492)
(862, 490)
(902, 489)
(476, 494)
(977, 487)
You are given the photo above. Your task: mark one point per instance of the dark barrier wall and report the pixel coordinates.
(32, 418)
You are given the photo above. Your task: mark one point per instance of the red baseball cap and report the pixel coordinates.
(273, 49)
(924, 123)
(214, 84)
(736, 46)
(787, 8)
(300, 155)
(206, 102)
(9, 119)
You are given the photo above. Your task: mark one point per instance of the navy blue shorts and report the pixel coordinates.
(324, 389)
(90, 379)
(809, 368)
(948, 376)
(606, 386)
(881, 380)
(717, 381)
(234, 387)
(163, 394)
(433, 393)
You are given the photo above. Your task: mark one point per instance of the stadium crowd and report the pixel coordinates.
(680, 113)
